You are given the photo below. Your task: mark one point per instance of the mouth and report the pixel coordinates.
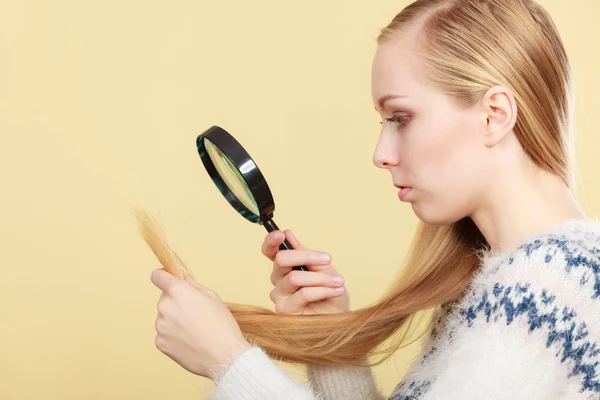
(404, 192)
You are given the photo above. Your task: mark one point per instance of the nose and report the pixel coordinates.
(385, 154)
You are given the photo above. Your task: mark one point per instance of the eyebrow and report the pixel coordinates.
(382, 100)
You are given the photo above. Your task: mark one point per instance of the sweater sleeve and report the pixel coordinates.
(254, 376)
(343, 382)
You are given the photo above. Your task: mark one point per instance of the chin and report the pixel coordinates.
(435, 215)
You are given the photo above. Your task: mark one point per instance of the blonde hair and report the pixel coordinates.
(467, 46)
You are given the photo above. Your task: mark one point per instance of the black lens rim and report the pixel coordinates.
(254, 178)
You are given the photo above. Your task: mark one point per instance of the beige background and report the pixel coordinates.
(100, 106)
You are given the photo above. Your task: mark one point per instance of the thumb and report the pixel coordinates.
(293, 240)
(199, 286)
(163, 279)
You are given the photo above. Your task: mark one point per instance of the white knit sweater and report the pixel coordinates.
(527, 327)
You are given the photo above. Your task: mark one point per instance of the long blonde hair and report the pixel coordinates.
(467, 47)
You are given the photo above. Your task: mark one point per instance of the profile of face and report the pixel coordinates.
(449, 155)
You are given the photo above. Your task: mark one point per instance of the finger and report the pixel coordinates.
(160, 306)
(187, 276)
(297, 279)
(322, 264)
(285, 261)
(163, 279)
(270, 246)
(304, 296)
(293, 240)
(204, 289)
(291, 258)
(184, 271)
(159, 322)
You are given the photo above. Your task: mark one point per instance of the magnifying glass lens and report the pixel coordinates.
(231, 177)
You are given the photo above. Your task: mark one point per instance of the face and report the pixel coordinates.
(431, 144)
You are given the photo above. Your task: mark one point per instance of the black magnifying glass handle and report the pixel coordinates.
(272, 226)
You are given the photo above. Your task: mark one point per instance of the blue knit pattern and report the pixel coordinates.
(410, 390)
(539, 307)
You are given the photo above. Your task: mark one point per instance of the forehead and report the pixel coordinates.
(395, 68)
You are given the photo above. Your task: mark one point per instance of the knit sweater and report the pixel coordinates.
(526, 327)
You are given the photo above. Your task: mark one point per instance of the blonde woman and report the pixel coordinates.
(476, 99)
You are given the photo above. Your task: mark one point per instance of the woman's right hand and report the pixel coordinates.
(303, 292)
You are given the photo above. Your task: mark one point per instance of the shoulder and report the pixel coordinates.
(551, 277)
(537, 305)
(563, 261)
(564, 243)
(527, 326)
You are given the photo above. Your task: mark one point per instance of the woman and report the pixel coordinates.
(477, 101)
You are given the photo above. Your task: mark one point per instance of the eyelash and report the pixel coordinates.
(397, 120)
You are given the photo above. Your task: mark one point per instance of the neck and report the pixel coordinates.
(523, 205)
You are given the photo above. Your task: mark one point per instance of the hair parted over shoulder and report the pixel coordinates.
(466, 46)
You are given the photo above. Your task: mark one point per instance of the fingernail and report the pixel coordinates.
(340, 289)
(325, 257)
(338, 279)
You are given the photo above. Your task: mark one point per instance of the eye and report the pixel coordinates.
(400, 120)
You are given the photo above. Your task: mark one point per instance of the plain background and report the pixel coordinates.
(100, 106)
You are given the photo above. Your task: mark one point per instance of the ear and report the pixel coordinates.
(500, 113)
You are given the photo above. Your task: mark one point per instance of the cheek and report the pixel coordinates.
(444, 168)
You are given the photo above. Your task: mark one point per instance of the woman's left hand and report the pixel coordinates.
(194, 326)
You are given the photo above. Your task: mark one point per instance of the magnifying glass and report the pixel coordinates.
(238, 179)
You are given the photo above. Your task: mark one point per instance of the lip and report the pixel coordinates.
(404, 193)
